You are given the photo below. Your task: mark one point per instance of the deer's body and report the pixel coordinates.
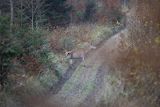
(79, 53)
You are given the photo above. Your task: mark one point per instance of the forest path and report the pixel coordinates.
(56, 87)
(93, 79)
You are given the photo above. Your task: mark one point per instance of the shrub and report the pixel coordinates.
(68, 42)
(29, 47)
(7, 50)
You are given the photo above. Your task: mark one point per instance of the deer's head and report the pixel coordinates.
(68, 53)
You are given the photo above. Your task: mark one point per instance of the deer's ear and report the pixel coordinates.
(65, 52)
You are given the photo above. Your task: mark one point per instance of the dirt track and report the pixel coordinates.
(71, 69)
(91, 81)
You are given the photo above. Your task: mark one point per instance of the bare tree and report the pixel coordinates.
(21, 7)
(34, 11)
(12, 15)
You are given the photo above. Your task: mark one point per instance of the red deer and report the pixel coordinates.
(79, 53)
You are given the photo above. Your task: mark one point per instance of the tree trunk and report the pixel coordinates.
(11, 15)
(21, 13)
(32, 17)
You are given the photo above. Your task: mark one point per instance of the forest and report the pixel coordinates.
(79, 53)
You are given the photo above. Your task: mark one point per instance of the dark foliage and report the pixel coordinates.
(58, 12)
(5, 53)
(90, 11)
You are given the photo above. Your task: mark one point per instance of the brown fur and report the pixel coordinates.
(79, 53)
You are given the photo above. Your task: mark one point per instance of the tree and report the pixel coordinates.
(5, 52)
(4, 7)
(58, 12)
(34, 12)
(90, 10)
(12, 14)
(144, 26)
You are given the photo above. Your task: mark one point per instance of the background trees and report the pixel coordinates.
(98, 11)
(58, 12)
(38, 13)
(24, 24)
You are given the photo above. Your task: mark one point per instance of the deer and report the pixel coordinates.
(79, 53)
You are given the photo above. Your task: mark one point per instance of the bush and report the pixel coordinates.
(29, 47)
(68, 42)
(4, 25)
(7, 51)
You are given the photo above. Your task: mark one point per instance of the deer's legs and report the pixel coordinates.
(71, 61)
(82, 58)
